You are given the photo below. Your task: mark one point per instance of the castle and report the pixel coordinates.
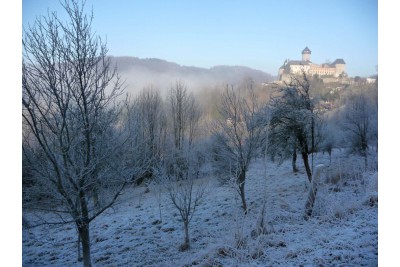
(293, 67)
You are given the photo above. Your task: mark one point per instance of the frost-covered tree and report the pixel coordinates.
(71, 121)
(282, 147)
(238, 135)
(181, 170)
(181, 161)
(185, 114)
(146, 119)
(331, 133)
(293, 120)
(360, 121)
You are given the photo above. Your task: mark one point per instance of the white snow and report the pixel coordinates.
(343, 230)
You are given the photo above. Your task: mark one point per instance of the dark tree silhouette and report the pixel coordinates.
(293, 121)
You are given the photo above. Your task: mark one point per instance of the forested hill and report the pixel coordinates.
(139, 73)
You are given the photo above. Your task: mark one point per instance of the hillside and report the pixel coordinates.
(342, 231)
(139, 73)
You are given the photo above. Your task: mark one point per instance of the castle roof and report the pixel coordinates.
(298, 62)
(306, 50)
(284, 63)
(288, 63)
(338, 61)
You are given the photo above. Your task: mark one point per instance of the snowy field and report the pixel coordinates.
(343, 230)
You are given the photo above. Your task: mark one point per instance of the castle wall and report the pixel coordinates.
(297, 69)
(317, 69)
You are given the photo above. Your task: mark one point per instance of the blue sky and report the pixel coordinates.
(257, 34)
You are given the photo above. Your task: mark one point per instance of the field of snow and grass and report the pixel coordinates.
(343, 230)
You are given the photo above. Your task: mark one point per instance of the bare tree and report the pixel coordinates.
(331, 134)
(293, 116)
(185, 115)
(71, 119)
(146, 118)
(239, 133)
(360, 119)
(181, 170)
(181, 162)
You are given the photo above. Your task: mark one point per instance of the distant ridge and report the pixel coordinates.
(139, 73)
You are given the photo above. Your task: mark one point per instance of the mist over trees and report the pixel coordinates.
(359, 121)
(239, 134)
(140, 72)
(84, 143)
(146, 121)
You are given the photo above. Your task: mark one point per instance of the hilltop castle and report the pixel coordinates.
(293, 67)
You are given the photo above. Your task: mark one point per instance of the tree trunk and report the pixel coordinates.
(187, 240)
(83, 228)
(304, 155)
(85, 238)
(364, 148)
(241, 182)
(79, 247)
(312, 142)
(312, 193)
(294, 159)
(186, 243)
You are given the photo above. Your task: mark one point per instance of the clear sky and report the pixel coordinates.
(258, 34)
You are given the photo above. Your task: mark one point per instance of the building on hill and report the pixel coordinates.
(295, 67)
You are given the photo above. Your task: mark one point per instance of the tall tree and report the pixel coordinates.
(360, 121)
(239, 133)
(71, 118)
(293, 116)
(182, 161)
(146, 119)
(185, 114)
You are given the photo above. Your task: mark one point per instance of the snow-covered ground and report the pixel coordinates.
(343, 230)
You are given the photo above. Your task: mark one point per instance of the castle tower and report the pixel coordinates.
(306, 53)
(340, 66)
